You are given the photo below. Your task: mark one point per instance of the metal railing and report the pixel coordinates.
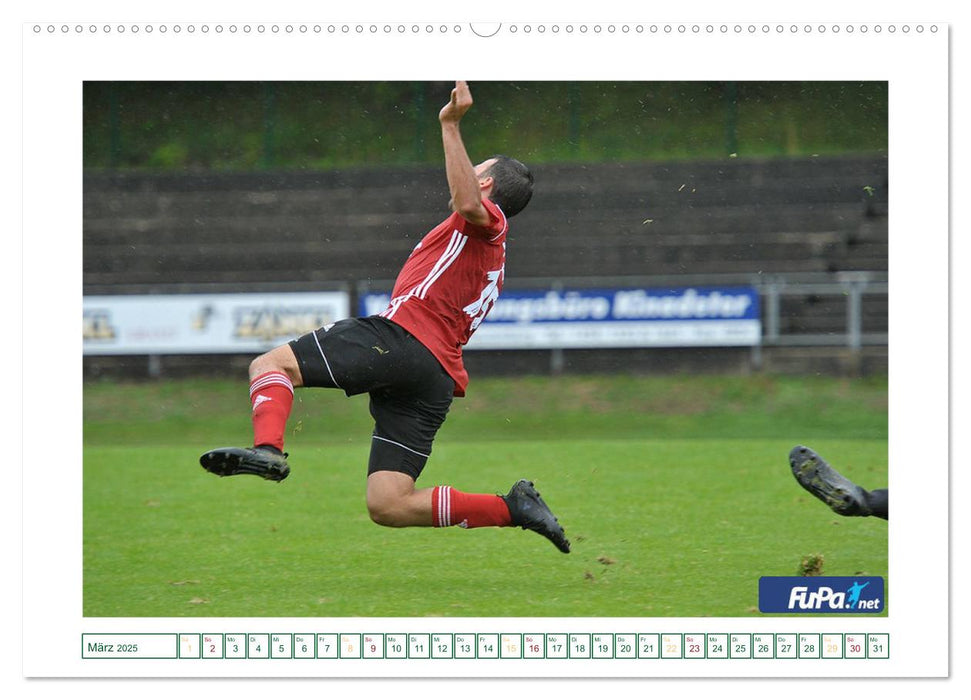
(852, 285)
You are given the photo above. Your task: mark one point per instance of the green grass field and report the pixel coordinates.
(675, 493)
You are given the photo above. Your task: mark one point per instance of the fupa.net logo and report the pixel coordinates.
(821, 594)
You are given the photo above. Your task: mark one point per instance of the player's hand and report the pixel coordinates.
(458, 104)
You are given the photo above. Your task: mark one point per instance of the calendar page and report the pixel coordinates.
(698, 545)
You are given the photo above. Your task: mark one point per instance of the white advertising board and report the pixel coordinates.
(205, 323)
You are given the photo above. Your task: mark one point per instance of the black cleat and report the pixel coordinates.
(530, 512)
(826, 484)
(230, 461)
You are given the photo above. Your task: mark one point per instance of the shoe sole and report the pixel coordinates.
(816, 476)
(233, 461)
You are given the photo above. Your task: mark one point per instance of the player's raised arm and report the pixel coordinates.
(464, 185)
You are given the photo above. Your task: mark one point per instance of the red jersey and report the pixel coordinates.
(448, 284)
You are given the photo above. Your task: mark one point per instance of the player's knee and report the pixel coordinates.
(391, 499)
(280, 359)
(258, 366)
(384, 511)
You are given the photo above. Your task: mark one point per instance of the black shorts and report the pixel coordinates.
(410, 391)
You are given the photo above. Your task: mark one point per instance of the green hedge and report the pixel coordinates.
(318, 125)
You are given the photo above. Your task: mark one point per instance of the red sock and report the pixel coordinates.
(451, 507)
(272, 397)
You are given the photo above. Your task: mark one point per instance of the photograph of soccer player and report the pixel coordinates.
(409, 357)
(839, 493)
(696, 281)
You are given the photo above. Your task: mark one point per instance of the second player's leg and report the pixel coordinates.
(842, 495)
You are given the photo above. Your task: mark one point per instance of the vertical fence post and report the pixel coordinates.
(854, 315)
(731, 117)
(114, 127)
(854, 323)
(772, 311)
(420, 120)
(557, 359)
(269, 123)
(573, 138)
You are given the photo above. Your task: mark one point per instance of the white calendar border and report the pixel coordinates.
(52, 628)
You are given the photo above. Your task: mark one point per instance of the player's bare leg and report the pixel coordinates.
(280, 359)
(393, 500)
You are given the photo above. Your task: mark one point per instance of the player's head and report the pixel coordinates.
(512, 183)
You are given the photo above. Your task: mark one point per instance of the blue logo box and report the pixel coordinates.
(821, 594)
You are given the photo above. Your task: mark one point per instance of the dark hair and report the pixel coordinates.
(512, 184)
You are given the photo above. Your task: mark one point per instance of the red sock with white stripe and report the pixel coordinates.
(451, 507)
(272, 397)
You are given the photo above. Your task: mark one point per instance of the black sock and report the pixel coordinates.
(270, 448)
(877, 502)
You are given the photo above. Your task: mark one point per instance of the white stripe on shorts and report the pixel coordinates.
(326, 363)
(404, 447)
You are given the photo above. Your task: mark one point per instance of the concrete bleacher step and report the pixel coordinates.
(724, 217)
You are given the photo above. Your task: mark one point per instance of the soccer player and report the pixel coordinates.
(843, 496)
(409, 357)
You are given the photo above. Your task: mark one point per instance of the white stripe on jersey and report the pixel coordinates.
(451, 254)
(505, 225)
